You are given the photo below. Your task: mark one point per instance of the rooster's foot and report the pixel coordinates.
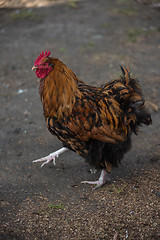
(51, 157)
(101, 181)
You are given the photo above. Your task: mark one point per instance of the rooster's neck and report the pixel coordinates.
(58, 92)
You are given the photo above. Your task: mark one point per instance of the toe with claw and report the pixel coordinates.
(101, 181)
(47, 159)
(51, 157)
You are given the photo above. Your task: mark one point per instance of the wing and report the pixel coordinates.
(91, 118)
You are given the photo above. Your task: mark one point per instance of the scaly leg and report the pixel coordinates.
(51, 157)
(101, 181)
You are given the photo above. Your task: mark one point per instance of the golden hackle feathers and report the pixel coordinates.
(59, 92)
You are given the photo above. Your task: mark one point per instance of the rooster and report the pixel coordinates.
(96, 123)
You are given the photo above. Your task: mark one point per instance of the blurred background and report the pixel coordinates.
(93, 38)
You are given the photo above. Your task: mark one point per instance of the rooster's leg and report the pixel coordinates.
(51, 157)
(101, 181)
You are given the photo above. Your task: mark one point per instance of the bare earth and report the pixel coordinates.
(93, 38)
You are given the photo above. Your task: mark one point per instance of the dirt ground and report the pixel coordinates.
(93, 38)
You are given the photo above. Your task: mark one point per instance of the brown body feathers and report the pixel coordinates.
(94, 122)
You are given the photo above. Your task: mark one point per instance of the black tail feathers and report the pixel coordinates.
(138, 113)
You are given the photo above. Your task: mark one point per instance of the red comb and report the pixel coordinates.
(41, 56)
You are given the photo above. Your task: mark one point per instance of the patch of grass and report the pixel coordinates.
(73, 4)
(39, 213)
(122, 1)
(50, 206)
(26, 14)
(133, 34)
(121, 56)
(120, 190)
(126, 11)
(62, 49)
(68, 220)
(56, 206)
(105, 25)
(89, 45)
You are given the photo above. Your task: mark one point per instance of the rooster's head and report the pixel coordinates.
(41, 65)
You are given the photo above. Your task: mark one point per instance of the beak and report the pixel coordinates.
(34, 68)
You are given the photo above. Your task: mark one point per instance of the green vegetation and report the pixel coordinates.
(89, 45)
(73, 4)
(105, 25)
(58, 206)
(26, 14)
(128, 11)
(134, 33)
(62, 49)
(39, 212)
(120, 190)
(122, 1)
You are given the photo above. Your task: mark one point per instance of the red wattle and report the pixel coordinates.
(43, 72)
